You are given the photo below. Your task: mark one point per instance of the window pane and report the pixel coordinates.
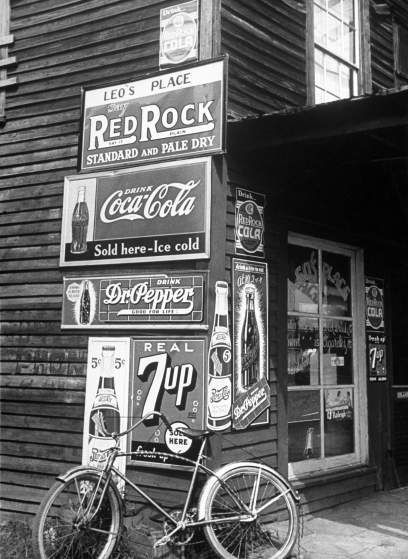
(348, 44)
(348, 11)
(336, 284)
(338, 421)
(303, 351)
(334, 41)
(303, 280)
(346, 82)
(304, 425)
(320, 35)
(319, 69)
(335, 7)
(337, 352)
(319, 96)
(332, 76)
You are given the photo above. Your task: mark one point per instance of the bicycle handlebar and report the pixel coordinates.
(116, 436)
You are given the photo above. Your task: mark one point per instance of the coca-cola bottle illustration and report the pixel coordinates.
(85, 305)
(250, 356)
(105, 417)
(219, 398)
(80, 219)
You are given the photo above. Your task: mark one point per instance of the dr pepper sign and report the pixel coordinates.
(164, 116)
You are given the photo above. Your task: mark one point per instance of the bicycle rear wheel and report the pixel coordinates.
(61, 528)
(233, 531)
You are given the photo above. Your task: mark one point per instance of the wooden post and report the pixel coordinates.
(210, 29)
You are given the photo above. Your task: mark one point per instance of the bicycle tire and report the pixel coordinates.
(56, 534)
(271, 535)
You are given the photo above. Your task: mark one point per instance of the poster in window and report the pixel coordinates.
(251, 392)
(249, 223)
(375, 330)
(168, 376)
(106, 398)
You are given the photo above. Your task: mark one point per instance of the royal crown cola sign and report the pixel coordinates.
(178, 34)
(163, 116)
(157, 212)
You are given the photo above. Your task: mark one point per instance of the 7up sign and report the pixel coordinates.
(167, 377)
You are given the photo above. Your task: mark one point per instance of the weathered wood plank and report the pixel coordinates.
(46, 238)
(44, 409)
(43, 368)
(31, 290)
(29, 327)
(21, 303)
(53, 355)
(45, 382)
(43, 423)
(42, 437)
(45, 156)
(44, 341)
(40, 395)
(51, 276)
(44, 251)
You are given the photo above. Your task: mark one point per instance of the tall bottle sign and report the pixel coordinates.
(219, 397)
(106, 399)
(251, 391)
(80, 220)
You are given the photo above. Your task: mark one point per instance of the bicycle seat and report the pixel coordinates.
(194, 433)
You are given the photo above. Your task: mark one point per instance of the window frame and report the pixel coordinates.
(363, 49)
(360, 455)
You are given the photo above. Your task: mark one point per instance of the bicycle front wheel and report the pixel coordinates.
(66, 525)
(251, 514)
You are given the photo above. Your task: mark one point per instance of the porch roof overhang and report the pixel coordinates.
(320, 122)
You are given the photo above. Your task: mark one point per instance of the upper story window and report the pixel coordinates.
(336, 49)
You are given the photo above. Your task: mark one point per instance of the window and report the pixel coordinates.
(336, 49)
(326, 359)
(5, 60)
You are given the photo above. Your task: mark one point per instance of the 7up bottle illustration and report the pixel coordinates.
(219, 396)
(104, 417)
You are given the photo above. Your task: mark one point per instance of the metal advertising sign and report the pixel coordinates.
(249, 223)
(168, 376)
(375, 329)
(179, 34)
(157, 212)
(106, 398)
(164, 116)
(250, 340)
(156, 301)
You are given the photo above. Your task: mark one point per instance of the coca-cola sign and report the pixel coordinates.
(163, 116)
(156, 301)
(168, 377)
(251, 399)
(156, 212)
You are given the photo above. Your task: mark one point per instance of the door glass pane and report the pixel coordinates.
(303, 280)
(338, 421)
(337, 352)
(336, 284)
(304, 425)
(303, 351)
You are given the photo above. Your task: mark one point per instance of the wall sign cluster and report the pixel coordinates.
(143, 196)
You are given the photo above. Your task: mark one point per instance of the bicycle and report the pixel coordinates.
(247, 510)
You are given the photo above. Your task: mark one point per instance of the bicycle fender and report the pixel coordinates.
(231, 467)
(68, 474)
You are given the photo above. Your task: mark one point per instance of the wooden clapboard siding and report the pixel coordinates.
(266, 45)
(60, 45)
